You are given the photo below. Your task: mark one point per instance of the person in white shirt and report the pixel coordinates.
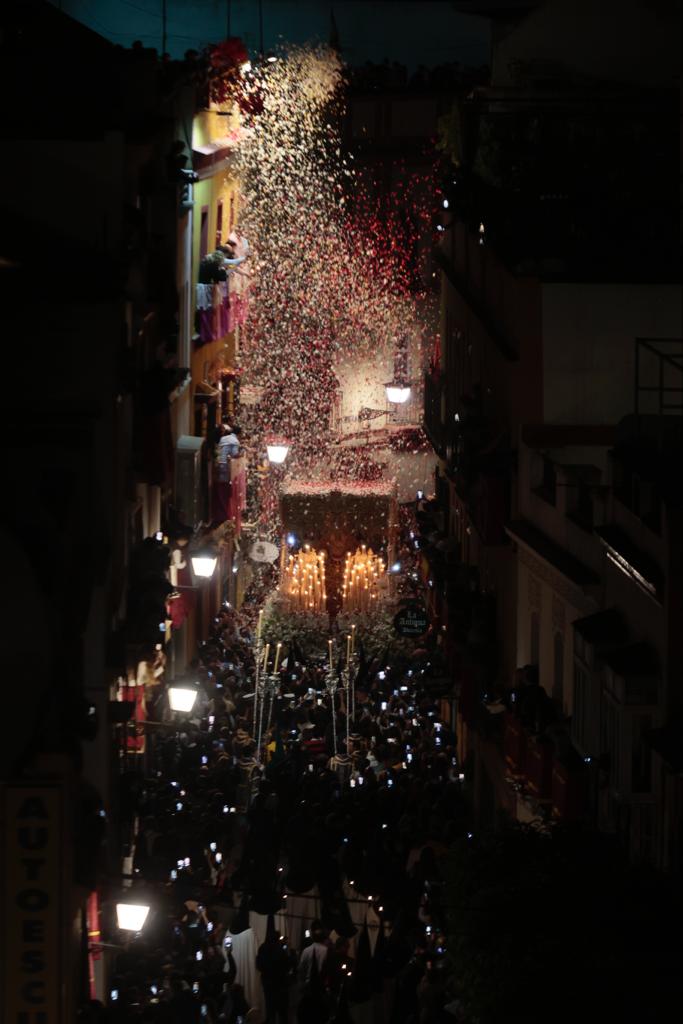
(228, 447)
(318, 949)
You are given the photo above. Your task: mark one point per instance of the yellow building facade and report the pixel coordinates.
(216, 210)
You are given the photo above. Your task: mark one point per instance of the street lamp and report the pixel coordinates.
(204, 562)
(277, 450)
(182, 697)
(397, 392)
(398, 389)
(131, 917)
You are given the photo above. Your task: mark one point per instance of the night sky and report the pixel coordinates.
(412, 33)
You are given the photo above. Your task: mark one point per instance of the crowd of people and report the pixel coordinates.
(299, 882)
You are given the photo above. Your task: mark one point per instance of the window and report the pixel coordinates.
(232, 213)
(204, 233)
(558, 667)
(219, 223)
(534, 639)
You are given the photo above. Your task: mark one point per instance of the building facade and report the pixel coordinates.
(103, 328)
(558, 370)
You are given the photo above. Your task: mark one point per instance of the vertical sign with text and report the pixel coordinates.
(32, 905)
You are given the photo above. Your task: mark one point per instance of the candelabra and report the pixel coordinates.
(348, 677)
(363, 573)
(270, 686)
(303, 580)
(331, 687)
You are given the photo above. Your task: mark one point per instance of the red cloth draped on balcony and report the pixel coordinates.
(238, 491)
(230, 492)
(209, 312)
(180, 606)
(135, 734)
(220, 500)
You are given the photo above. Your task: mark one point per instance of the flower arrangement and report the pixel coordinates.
(225, 62)
(374, 630)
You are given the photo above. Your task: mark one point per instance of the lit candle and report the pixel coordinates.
(329, 644)
(277, 657)
(258, 627)
(353, 638)
(348, 649)
(265, 657)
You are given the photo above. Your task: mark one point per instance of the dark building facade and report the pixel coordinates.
(559, 365)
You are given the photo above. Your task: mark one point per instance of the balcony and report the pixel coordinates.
(434, 407)
(543, 768)
(503, 304)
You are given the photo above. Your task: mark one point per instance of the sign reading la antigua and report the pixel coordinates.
(412, 621)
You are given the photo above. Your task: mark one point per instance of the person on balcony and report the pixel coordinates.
(228, 448)
(230, 260)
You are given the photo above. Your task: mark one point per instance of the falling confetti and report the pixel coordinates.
(332, 267)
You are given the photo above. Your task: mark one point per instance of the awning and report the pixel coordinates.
(210, 148)
(212, 153)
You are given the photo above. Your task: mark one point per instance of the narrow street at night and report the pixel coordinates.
(342, 643)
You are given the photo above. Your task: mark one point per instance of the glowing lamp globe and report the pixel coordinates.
(204, 564)
(277, 453)
(397, 393)
(182, 698)
(131, 917)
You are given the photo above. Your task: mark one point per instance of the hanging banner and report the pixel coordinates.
(33, 905)
(412, 621)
